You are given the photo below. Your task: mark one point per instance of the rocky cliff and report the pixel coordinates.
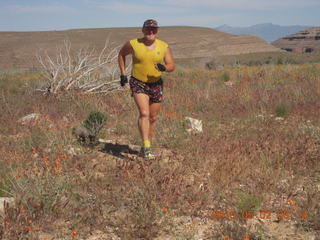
(305, 41)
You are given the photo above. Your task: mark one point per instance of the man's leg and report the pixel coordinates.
(154, 110)
(142, 101)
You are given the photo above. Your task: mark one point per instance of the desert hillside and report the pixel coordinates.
(305, 41)
(250, 172)
(18, 49)
(267, 31)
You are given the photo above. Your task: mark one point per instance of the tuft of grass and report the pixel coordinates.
(282, 110)
(4, 189)
(224, 77)
(248, 202)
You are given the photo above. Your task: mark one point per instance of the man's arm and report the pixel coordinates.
(168, 59)
(124, 51)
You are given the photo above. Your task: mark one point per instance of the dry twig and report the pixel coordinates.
(87, 71)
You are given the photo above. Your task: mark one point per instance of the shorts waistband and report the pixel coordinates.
(160, 81)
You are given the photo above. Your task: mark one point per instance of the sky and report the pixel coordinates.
(42, 15)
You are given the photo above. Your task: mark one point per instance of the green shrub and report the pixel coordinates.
(225, 77)
(4, 189)
(279, 61)
(95, 121)
(211, 65)
(87, 132)
(282, 110)
(248, 202)
(291, 61)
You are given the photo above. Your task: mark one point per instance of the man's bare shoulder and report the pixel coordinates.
(163, 43)
(126, 48)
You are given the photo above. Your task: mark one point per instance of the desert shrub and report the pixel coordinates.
(291, 61)
(279, 61)
(211, 65)
(39, 184)
(87, 132)
(225, 77)
(282, 110)
(145, 215)
(95, 121)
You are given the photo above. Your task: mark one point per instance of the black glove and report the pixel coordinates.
(161, 67)
(123, 80)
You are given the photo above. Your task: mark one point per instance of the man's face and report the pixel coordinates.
(150, 32)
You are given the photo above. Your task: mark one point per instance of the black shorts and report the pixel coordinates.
(153, 90)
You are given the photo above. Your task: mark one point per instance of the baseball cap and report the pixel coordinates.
(150, 23)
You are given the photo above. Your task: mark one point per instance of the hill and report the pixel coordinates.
(267, 31)
(305, 41)
(18, 49)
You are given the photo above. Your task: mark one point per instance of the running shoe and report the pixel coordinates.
(147, 154)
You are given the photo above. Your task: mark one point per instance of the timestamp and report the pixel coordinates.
(221, 214)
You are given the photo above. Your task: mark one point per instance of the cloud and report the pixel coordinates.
(197, 20)
(244, 4)
(39, 8)
(141, 8)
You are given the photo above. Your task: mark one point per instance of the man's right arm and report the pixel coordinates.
(124, 51)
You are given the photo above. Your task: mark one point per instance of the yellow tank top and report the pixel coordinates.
(143, 60)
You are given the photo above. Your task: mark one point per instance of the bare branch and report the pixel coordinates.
(88, 71)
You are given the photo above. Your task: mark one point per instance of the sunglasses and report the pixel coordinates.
(151, 29)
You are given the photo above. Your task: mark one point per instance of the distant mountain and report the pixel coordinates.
(267, 31)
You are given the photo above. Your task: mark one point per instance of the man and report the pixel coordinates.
(150, 57)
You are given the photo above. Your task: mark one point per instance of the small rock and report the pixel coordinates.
(29, 118)
(229, 83)
(73, 151)
(65, 119)
(195, 125)
(312, 237)
(260, 116)
(81, 132)
(283, 183)
(101, 140)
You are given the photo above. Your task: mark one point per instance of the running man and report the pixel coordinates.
(150, 57)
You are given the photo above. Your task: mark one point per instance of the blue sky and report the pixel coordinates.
(38, 15)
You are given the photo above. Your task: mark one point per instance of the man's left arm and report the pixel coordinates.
(168, 60)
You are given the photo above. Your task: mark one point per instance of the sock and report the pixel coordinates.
(146, 144)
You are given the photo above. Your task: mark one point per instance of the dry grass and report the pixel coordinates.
(259, 149)
(258, 59)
